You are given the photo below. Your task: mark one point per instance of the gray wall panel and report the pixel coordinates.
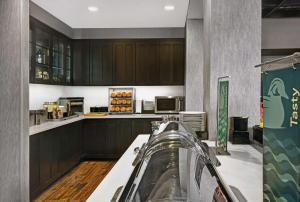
(280, 33)
(207, 61)
(234, 31)
(118, 33)
(45, 17)
(14, 127)
(194, 65)
(195, 10)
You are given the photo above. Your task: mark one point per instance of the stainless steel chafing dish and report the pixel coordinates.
(174, 166)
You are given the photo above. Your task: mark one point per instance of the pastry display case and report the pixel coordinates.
(121, 100)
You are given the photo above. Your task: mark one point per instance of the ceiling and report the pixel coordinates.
(280, 8)
(117, 13)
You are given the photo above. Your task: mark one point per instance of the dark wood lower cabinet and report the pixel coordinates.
(109, 138)
(52, 154)
(142, 126)
(94, 138)
(34, 162)
(55, 152)
(123, 137)
(46, 158)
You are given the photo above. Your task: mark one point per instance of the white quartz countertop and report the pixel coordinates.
(126, 116)
(119, 174)
(241, 170)
(54, 124)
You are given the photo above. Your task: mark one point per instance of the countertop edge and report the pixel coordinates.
(55, 124)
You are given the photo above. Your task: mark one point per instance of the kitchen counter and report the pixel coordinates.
(54, 124)
(119, 174)
(125, 116)
(241, 171)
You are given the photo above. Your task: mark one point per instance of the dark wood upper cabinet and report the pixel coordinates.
(147, 62)
(81, 62)
(124, 62)
(58, 60)
(101, 62)
(50, 55)
(171, 61)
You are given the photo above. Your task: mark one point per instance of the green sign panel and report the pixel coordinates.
(281, 168)
(222, 116)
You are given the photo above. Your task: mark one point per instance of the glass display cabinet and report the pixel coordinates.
(68, 58)
(50, 54)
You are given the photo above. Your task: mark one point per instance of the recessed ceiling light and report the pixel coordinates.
(93, 8)
(169, 7)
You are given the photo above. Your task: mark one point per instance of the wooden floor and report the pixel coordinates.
(79, 184)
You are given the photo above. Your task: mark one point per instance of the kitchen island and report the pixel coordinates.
(241, 173)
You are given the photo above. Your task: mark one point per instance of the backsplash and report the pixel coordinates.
(93, 95)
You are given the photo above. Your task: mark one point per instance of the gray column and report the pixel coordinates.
(232, 47)
(194, 65)
(14, 126)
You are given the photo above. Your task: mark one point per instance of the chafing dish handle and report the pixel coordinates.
(116, 194)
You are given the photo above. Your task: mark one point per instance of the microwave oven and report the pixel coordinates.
(169, 104)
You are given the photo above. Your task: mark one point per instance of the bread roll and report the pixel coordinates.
(128, 109)
(119, 94)
(128, 94)
(124, 94)
(113, 94)
(117, 109)
(114, 101)
(124, 102)
(112, 109)
(119, 102)
(128, 102)
(123, 109)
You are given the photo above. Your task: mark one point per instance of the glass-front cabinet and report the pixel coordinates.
(68, 58)
(50, 55)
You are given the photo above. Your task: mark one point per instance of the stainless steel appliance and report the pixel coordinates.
(36, 117)
(65, 106)
(98, 109)
(76, 104)
(169, 104)
(148, 107)
(174, 166)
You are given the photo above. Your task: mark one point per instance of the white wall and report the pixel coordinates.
(93, 95)
(38, 94)
(280, 33)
